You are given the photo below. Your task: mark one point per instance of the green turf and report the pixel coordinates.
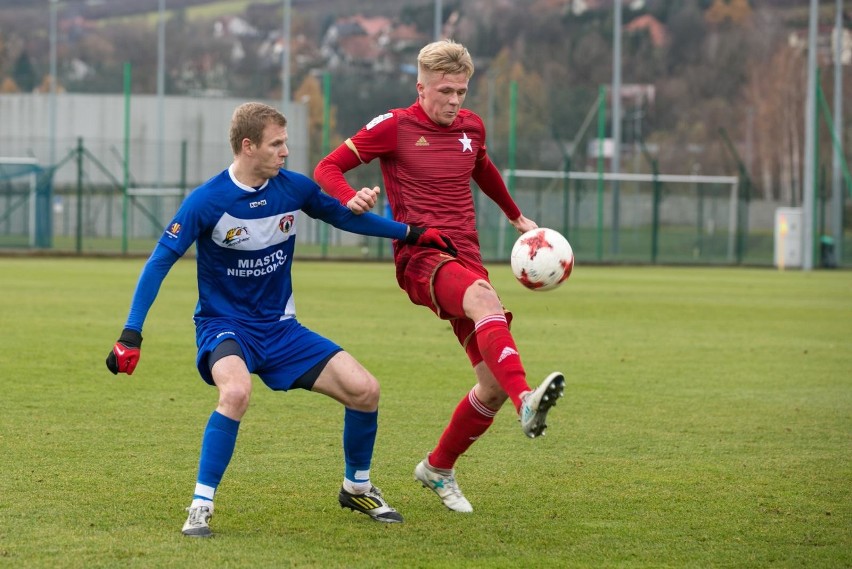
(707, 423)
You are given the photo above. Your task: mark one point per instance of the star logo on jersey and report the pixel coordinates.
(466, 143)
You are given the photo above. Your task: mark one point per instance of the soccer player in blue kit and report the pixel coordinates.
(244, 221)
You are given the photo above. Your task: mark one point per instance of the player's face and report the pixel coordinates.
(270, 154)
(441, 96)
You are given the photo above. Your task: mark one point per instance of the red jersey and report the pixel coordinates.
(427, 169)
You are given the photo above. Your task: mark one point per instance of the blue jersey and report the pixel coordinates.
(246, 238)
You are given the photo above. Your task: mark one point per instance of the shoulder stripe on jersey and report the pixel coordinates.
(351, 145)
(377, 120)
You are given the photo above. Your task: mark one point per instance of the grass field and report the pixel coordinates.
(707, 423)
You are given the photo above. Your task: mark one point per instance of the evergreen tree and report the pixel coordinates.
(24, 73)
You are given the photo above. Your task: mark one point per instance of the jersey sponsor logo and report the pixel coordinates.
(422, 141)
(378, 119)
(260, 203)
(244, 233)
(258, 267)
(236, 235)
(173, 230)
(466, 143)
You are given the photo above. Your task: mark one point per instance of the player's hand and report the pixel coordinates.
(364, 200)
(430, 237)
(125, 353)
(522, 224)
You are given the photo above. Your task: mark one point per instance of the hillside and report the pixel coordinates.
(690, 69)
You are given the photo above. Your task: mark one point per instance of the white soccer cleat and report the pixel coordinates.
(198, 522)
(538, 402)
(444, 485)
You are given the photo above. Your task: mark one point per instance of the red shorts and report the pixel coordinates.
(438, 282)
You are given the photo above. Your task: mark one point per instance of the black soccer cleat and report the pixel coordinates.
(371, 503)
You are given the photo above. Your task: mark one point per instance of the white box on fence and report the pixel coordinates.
(788, 237)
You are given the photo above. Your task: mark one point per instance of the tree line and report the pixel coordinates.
(715, 68)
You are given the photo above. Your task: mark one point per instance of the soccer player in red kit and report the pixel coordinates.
(428, 154)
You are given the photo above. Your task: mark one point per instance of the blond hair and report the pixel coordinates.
(249, 120)
(446, 57)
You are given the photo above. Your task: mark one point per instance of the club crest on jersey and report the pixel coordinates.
(173, 229)
(236, 235)
(285, 224)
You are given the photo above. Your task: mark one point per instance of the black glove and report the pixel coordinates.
(429, 237)
(125, 353)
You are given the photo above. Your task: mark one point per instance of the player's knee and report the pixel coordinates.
(366, 398)
(481, 298)
(481, 291)
(235, 398)
(493, 399)
(489, 393)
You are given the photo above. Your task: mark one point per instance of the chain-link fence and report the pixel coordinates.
(625, 219)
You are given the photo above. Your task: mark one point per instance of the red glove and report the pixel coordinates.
(429, 237)
(125, 353)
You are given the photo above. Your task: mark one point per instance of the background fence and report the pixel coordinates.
(663, 219)
(67, 193)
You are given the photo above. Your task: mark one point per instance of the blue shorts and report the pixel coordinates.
(279, 352)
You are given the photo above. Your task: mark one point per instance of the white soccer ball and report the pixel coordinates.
(542, 259)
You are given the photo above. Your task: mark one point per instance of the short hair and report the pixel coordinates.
(249, 120)
(446, 57)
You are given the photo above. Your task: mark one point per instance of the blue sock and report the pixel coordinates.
(217, 447)
(359, 437)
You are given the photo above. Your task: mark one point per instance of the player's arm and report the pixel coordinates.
(371, 224)
(489, 180)
(377, 138)
(125, 352)
(329, 173)
(324, 207)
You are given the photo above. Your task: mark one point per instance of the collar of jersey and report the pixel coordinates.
(240, 184)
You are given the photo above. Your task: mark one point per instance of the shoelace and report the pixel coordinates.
(451, 485)
(197, 516)
(377, 494)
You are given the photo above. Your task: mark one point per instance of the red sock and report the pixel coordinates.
(469, 422)
(501, 356)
